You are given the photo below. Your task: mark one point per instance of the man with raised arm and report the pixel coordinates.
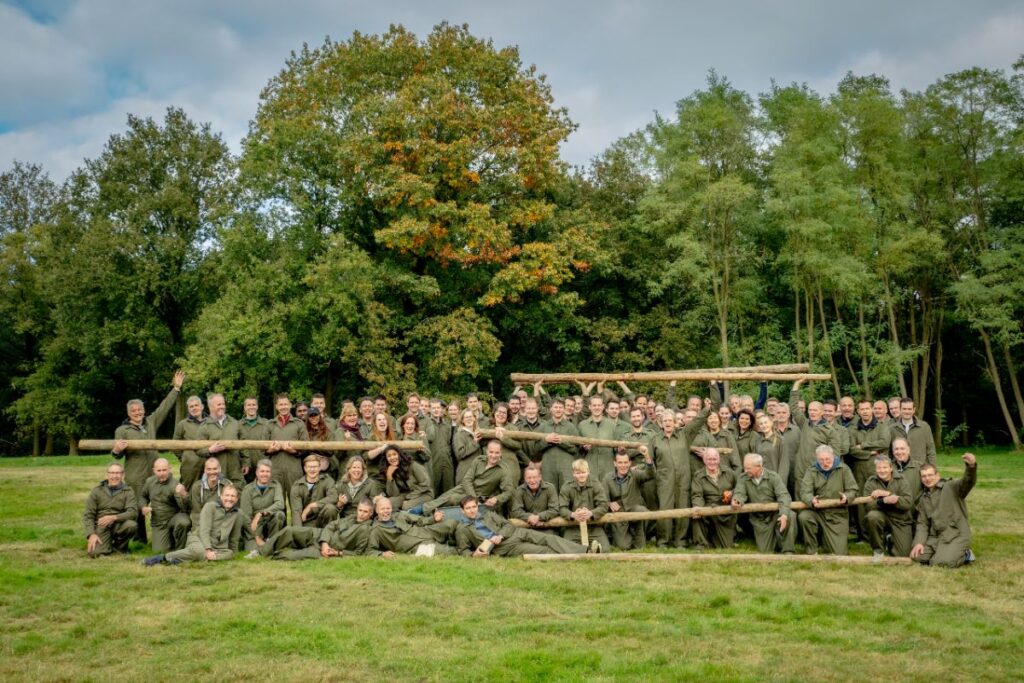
(139, 464)
(943, 536)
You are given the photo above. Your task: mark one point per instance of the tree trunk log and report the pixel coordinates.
(185, 445)
(719, 557)
(665, 376)
(692, 513)
(578, 440)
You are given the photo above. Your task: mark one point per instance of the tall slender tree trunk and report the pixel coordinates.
(73, 445)
(865, 363)
(993, 370)
(1011, 368)
(796, 319)
(827, 341)
(48, 447)
(918, 407)
(938, 391)
(846, 351)
(893, 332)
(37, 446)
(809, 308)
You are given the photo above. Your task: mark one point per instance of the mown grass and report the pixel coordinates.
(66, 617)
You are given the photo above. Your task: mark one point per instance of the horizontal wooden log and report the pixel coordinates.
(667, 376)
(722, 557)
(195, 445)
(692, 513)
(566, 438)
(579, 440)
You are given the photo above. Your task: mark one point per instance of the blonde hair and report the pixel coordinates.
(580, 465)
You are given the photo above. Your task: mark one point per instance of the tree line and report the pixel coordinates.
(399, 218)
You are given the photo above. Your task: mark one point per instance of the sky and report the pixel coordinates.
(72, 70)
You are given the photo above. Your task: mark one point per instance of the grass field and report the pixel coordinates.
(66, 617)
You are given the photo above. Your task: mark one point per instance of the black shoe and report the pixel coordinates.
(153, 561)
(174, 561)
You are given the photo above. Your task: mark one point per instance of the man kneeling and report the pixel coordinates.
(218, 535)
(492, 534)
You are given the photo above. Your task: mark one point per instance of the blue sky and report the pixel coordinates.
(72, 70)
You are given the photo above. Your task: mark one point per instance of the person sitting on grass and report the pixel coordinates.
(110, 514)
(490, 533)
(943, 536)
(890, 511)
(262, 507)
(827, 479)
(711, 486)
(398, 533)
(345, 536)
(217, 537)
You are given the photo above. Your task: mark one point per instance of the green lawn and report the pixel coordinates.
(66, 617)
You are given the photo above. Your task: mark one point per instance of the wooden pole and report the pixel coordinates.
(668, 376)
(726, 557)
(579, 440)
(194, 445)
(584, 536)
(693, 513)
(774, 369)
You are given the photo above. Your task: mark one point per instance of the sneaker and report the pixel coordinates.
(877, 556)
(595, 548)
(152, 561)
(425, 550)
(969, 556)
(252, 554)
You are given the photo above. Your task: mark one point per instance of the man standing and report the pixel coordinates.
(319, 401)
(597, 426)
(815, 431)
(917, 433)
(554, 456)
(187, 429)
(943, 536)
(789, 433)
(110, 514)
(904, 465)
(220, 427)
(252, 427)
(773, 531)
(889, 511)
(168, 516)
(828, 478)
(439, 441)
(283, 430)
(139, 464)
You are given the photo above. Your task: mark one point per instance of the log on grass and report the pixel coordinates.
(693, 513)
(723, 557)
(195, 445)
(668, 376)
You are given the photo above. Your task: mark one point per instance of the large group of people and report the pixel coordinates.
(468, 494)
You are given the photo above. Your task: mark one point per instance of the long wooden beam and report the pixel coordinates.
(722, 557)
(578, 440)
(667, 376)
(194, 445)
(693, 513)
